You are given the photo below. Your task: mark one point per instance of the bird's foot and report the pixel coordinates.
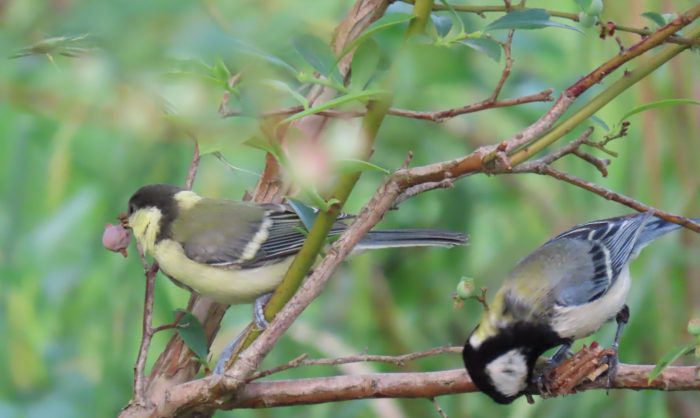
(613, 361)
(259, 310)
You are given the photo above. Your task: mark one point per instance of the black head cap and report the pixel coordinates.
(160, 196)
(153, 195)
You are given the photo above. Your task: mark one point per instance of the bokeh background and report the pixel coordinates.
(79, 135)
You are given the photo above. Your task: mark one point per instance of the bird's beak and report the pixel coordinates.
(124, 220)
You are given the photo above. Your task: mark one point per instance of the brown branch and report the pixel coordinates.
(429, 385)
(508, 65)
(194, 166)
(150, 271)
(616, 197)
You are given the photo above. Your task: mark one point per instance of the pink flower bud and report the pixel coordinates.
(116, 238)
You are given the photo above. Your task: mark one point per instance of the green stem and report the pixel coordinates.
(317, 236)
(304, 260)
(302, 263)
(421, 11)
(607, 95)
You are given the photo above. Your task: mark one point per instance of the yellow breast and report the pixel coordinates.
(223, 284)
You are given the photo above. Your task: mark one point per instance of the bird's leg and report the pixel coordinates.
(560, 355)
(260, 322)
(622, 317)
(259, 310)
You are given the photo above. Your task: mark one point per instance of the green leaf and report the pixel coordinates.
(192, 333)
(253, 51)
(385, 22)
(526, 19)
(221, 73)
(491, 48)
(366, 94)
(656, 105)
(306, 213)
(352, 165)
(365, 63)
(282, 86)
(457, 28)
(263, 144)
(669, 358)
(600, 122)
(318, 54)
(70, 46)
(655, 17)
(583, 4)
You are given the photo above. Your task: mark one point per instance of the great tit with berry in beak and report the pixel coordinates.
(565, 290)
(238, 252)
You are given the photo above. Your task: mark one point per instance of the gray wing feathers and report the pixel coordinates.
(587, 277)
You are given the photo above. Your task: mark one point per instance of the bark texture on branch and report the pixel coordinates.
(428, 385)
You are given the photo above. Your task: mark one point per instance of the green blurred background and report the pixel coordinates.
(81, 134)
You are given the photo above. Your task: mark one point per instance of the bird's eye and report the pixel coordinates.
(132, 209)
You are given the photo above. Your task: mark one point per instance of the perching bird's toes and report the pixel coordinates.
(612, 369)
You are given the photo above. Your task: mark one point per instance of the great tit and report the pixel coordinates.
(235, 252)
(565, 290)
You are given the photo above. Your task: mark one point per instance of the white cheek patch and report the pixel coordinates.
(508, 373)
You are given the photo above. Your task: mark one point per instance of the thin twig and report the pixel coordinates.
(395, 360)
(151, 271)
(482, 10)
(508, 65)
(432, 116)
(194, 165)
(555, 155)
(422, 188)
(438, 408)
(617, 197)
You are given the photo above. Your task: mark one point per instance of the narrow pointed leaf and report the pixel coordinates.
(668, 359)
(253, 51)
(282, 86)
(526, 19)
(385, 22)
(656, 105)
(351, 165)
(335, 102)
(657, 18)
(192, 333)
(486, 46)
(365, 63)
(306, 213)
(318, 54)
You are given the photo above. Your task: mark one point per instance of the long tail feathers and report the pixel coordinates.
(656, 228)
(411, 238)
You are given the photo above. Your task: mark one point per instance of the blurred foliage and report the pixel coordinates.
(104, 97)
